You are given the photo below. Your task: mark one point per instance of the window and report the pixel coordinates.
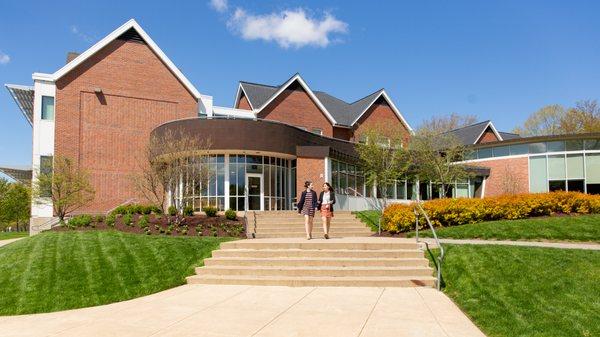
(592, 144)
(484, 153)
(555, 146)
(558, 185)
(574, 145)
(317, 131)
(519, 149)
(537, 148)
(537, 174)
(501, 151)
(46, 168)
(47, 107)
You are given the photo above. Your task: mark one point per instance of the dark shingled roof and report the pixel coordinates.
(344, 113)
(19, 173)
(23, 96)
(469, 134)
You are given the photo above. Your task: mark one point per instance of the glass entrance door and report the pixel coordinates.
(254, 182)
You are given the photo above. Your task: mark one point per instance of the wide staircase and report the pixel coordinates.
(349, 261)
(290, 224)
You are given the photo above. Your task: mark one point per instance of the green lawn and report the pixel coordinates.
(563, 228)
(526, 292)
(371, 218)
(12, 235)
(65, 270)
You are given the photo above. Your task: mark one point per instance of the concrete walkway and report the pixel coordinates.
(5, 242)
(208, 310)
(561, 245)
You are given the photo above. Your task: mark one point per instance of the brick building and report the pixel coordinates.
(101, 108)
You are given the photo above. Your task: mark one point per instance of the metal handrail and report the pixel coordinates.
(440, 259)
(375, 205)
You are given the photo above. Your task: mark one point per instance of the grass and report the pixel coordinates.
(562, 228)
(12, 235)
(65, 270)
(526, 292)
(369, 217)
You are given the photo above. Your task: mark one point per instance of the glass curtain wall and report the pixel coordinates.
(578, 172)
(226, 187)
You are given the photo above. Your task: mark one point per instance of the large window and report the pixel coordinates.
(47, 107)
(578, 172)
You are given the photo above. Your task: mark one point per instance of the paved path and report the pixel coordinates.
(7, 241)
(562, 245)
(205, 310)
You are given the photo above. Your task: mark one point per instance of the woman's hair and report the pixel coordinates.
(307, 183)
(329, 188)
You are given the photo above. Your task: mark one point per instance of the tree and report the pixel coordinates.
(15, 205)
(434, 158)
(383, 157)
(545, 121)
(441, 124)
(65, 184)
(169, 159)
(583, 118)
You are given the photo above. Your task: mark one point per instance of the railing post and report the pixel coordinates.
(416, 225)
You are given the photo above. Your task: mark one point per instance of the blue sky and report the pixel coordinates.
(498, 60)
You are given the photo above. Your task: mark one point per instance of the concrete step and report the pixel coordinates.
(336, 229)
(316, 262)
(293, 212)
(315, 271)
(260, 235)
(301, 218)
(299, 243)
(316, 221)
(316, 253)
(409, 281)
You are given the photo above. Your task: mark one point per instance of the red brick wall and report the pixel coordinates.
(106, 133)
(243, 103)
(311, 169)
(343, 133)
(294, 106)
(488, 136)
(381, 113)
(507, 176)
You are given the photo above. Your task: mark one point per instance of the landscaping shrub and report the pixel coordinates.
(230, 214)
(210, 211)
(143, 221)
(82, 220)
(188, 211)
(127, 219)
(172, 210)
(452, 212)
(136, 209)
(110, 219)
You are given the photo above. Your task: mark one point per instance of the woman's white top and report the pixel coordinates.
(326, 198)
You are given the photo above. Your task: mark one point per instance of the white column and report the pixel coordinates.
(226, 187)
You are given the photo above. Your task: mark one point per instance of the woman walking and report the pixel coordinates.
(307, 206)
(326, 202)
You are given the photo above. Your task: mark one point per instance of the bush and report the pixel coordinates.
(188, 211)
(127, 219)
(210, 211)
(110, 220)
(452, 212)
(143, 221)
(82, 220)
(172, 210)
(136, 209)
(99, 219)
(231, 214)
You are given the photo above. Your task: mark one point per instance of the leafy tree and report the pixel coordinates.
(545, 121)
(383, 157)
(67, 185)
(441, 124)
(434, 158)
(583, 118)
(15, 204)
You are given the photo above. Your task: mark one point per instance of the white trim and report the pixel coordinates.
(262, 191)
(298, 78)
(392, 105)
(491, 126)
(108, 39)
(238, 96)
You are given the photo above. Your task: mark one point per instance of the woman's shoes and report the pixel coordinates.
(326, 236)
(308, 237)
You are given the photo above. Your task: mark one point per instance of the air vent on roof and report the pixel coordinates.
(131, 35)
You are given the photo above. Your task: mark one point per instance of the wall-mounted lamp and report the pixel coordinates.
(98, 90)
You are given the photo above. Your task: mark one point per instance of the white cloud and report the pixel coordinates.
(4, 59)
(289, 28)
(219, 5)
(75, 30)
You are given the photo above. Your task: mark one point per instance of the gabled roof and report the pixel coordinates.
(339, 112)
(508, 135)
(127, 26)
(23, 96)
(471, 134)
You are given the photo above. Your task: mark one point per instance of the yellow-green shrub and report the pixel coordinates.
(452, 212)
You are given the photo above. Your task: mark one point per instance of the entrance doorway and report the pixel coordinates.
(254, 200)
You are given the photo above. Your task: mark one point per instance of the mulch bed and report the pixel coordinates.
(196, 225)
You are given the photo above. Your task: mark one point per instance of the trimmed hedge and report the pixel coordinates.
(453, 212)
